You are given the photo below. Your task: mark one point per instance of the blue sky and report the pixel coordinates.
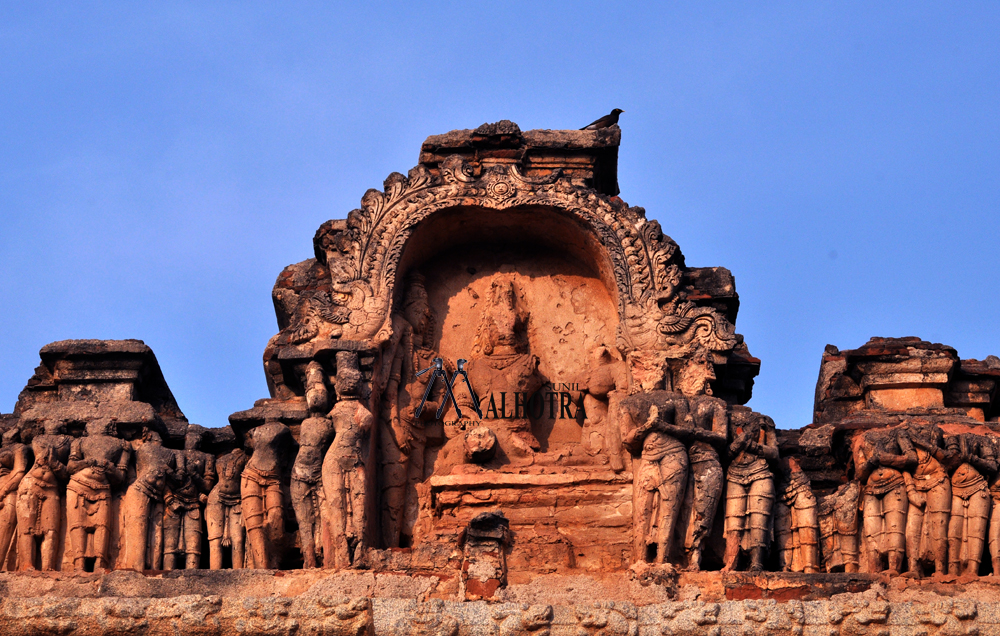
(161, 163)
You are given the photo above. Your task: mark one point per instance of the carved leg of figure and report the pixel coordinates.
(76, 521)
(975, 534)
(760, 501)
(274, 521)
(806, 521)
(102, 536)
(215, 520)
(783, 536)
(414, 476)
(704, 490)
(394, 484)
(154, 552)
(956, 530)
(736, 522)
(304, 504)
(338, 556)
(236, 536)
(644, 507)
(52, 507)
(873, 533)
(994, 537)
(936, 525)
(137, 509)
(356, 520)
(172, 521)
(8, 525)
(253, 509)
(192, 538)
(28, 504)
(673, 478)
(894, 505)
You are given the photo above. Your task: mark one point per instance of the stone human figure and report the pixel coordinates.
(798, 543)
(40, 499)
(143, 503)
(344, 467)
(880, 456)
(749, 489)
(262, 500)
(928, 490)
(710, 427)
(98, 462)
(994, 528)
(224, 512)
(970, 501)
(661, 470)
(402, 438)
(501, 361)
(317, 395)
(315, 435)
(15, 460)
(838, 523)
(183, 527)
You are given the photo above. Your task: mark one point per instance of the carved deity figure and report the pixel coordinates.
(97, 463)
(970, 501)
(651, 434)
(224, 512)
(749, 489)
(928, 490)
(260, 487)
(501, 362)
(403, 439)
(710, 427)
(344, 467)
(797, 522)
(994, 531)
(183, 527)
(143, 503)
(15, 460)
(838, 524)
(40, 499)
(880, 456)
(315, 436)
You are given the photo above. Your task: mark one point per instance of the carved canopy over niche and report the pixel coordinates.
(361, 256)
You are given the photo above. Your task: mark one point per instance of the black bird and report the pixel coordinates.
(606, 121)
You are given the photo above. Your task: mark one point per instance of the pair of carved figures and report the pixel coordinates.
(678, 440)
(328, 476)
(926, 500)
(80, 477)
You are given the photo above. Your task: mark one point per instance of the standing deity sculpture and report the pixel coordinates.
(183, 527)
(880, 456)
(143, 503)
(262, 501)
(796, 521)
(928, 490)
(749, 489)
(40, 499)
(970, 501)
(994, 527)
(344, 467)
(315, 435)
(838, 525)
(651, 434)
(501, 362)
(15, 460)
(710, 427)
(224, 512)
(97, 463)
(402, 438)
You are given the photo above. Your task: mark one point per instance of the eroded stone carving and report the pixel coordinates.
(224, 512)
(40, 499)
(261, 497)
(929, 492)
(879, 457)
(183, 525)
(15, 460)
(749, 489)
(143, 503)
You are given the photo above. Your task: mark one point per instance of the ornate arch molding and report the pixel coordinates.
(363, 253)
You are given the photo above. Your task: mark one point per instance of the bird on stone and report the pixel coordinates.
(605, 122)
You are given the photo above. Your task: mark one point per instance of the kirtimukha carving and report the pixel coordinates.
(262, 500)
(970, 501)
(749, 489)
(183, 527)
(97, 463)
(15, 460)
(344, 468)
(143, 503)
(880, 457)
(710, 430)
(224, 512)
(929, 492)
(40, 499)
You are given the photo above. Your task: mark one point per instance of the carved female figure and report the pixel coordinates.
(879, 458)
(929, 492)
(97, 463)
(143, 503)
(799, 545)
(15, 460)
(750, 489)
(40, 499)
(260, 485)
(970, 501)
(183, 527)
(344, 467)
(224, 512)
(315, 435)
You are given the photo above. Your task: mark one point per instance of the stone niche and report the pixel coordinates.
(501, 402)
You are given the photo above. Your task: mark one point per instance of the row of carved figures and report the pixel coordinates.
(170, 498)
